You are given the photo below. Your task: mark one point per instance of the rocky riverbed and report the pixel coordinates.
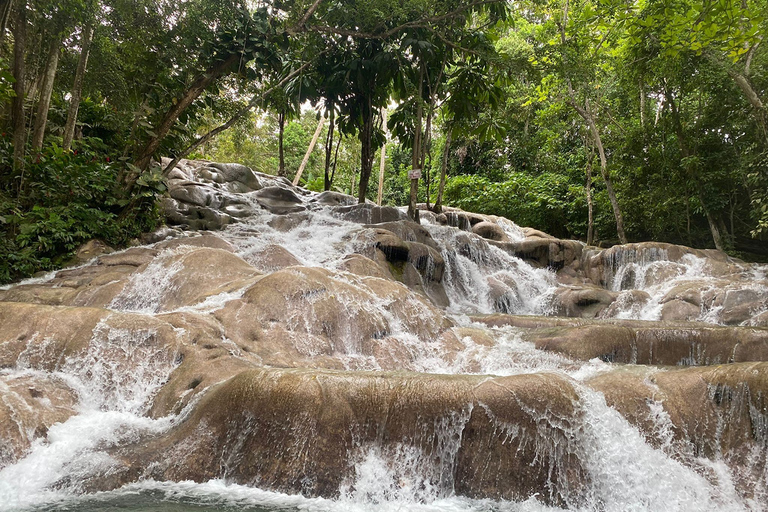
(291, 341)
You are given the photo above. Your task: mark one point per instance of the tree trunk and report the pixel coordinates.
(413, 212)
(17, 106)
(77, 88)
(366, 150)
(754, 99)
(587, 116)
(280, 148)
(382, 163)
(426, 150)
(309, 151)
(687, 152)
(327, 181)
(438, 207)
(190, 95)
(590, 208)
(44, 103)
(222, 127)
(641, 86)
(6, 6)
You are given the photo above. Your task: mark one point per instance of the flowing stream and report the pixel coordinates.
(626, 473)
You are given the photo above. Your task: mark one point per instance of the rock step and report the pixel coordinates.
(639, 342)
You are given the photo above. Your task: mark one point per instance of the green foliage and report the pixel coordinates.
(65, 199)
(548, 201)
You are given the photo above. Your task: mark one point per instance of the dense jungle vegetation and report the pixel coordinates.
(603, 120)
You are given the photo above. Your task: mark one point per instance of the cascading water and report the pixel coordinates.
(117, 376)
(481, 278)
(115, 379)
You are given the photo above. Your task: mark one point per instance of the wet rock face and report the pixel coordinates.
(302, 336)
(303, 431)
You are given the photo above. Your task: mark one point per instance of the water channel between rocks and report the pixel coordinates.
(285, 350)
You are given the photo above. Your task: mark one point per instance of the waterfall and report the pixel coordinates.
(110, 395)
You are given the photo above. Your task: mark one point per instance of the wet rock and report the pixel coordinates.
(197, 274)
(585, 302)
(729, 399)
(39, 294)
(30, 405)
(234, 173)
(639, 342)
(490, 231)
(362, 266)
(271, 258)
(283, 425)
(627, 302)
(331, 198)
(313, 301)
(208, 240)
(91, 249)
(134, 257)
(679, 310)
(544, 252)
(279, 200)
(291, 221)
(190, 216)
(370, 214)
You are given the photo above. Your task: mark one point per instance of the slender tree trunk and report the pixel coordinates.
(754, 99)
(413, 212)
(77, 88)
(587, 116)
(309, 151)
(17, 106)
(6, 7)
(280, 140)
(438, 207)
(336, 157)
(327, 181)
(366, 150)
(44, 103)
(590, 208)
(641, 87)
(426, 150)
(382, 162)
(687, 152)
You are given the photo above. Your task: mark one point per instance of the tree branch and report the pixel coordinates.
(239, 114)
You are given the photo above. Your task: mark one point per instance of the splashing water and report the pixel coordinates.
(481, 278)
(115, 378)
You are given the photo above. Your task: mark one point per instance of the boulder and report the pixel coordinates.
(305, 431)
(184, 277)
(679, 310)
(234, 173)
(30, 405)
(639, 342)
(331, 198)
(370, 214)
(585, 301)
(544, 252)
(490, 231)
(279, 200)
(680, 409)
(271, 258)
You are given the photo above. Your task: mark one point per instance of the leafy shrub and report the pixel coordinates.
(547, 201)
(62, 200)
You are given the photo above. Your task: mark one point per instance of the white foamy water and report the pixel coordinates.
(115, 379)
(651, 271)
(481, 278)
